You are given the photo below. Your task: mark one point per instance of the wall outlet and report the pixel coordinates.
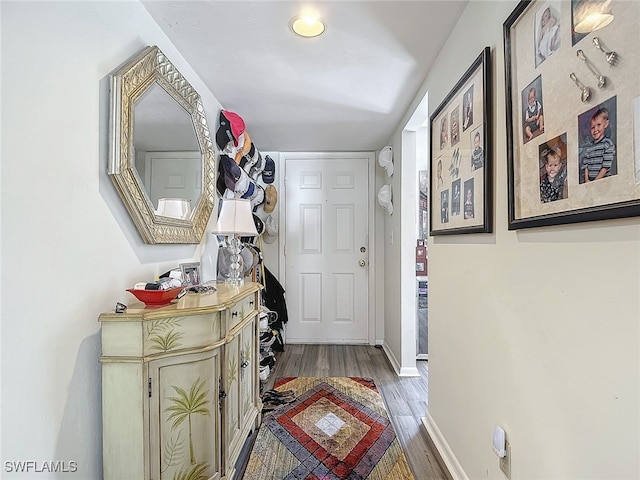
(505, 462)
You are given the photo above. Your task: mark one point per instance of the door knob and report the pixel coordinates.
(362, 263)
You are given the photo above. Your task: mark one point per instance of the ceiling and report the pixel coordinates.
(346, 90)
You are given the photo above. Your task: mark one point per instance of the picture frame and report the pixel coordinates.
(461, 155)
(191, 274)
(571, 81)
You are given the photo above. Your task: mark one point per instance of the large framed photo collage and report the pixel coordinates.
(573, 111)
(572, 103)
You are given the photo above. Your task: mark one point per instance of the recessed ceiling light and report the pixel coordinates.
(307, 26)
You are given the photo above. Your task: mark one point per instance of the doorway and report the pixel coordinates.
(327, 248)
(415, 141)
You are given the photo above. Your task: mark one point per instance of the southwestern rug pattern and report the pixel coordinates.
(337, 428)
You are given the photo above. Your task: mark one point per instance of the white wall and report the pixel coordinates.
(523, 331)
(69, 250)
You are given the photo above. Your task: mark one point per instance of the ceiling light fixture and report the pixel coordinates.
(591, 16)
(307, 26)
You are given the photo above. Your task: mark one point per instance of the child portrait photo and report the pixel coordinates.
(477, 149)
(467, 108)
(597, 142)
(444, 135)
(532, 111)
(553, 169)
(547, 32)
(455, 126)
(455, 197)
(469, 211)
(444, 206)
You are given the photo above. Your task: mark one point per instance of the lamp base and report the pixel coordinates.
(236, 267)
(238, 282)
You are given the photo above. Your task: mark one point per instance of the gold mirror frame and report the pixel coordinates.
(128, 84)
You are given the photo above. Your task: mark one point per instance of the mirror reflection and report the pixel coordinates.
(161, 156)
(167, 154)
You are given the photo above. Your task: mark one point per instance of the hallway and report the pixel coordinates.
(405, 397)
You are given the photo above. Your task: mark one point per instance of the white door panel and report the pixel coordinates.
(326, 240)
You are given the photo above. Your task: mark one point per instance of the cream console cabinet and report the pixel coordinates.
(180, 386)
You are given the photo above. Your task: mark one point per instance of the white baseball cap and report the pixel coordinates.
(385, 159)
(385, 197)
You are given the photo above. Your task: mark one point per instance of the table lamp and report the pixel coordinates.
(235, 221)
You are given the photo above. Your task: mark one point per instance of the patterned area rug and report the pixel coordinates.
(337, 428)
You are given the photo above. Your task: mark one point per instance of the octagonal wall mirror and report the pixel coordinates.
(161, 158)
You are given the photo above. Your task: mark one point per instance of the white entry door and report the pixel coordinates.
(327, 249)
(174, 175)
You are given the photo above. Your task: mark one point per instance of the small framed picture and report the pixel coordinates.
(190, 273)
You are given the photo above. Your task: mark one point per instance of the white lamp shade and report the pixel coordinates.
(236, 218)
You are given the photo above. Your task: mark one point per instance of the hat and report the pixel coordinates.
(257, 167)
(257, 221)
(385, 159)
(244, 145)
(269, 171)
(259, 224)
(232, 172)
(250, 158)
(220, 183)
(253, 192)
(243, 182)
(230, 128)
(271, 198)
(225, 261)
(385, 197)
(237, 124)
(250, 257)
(270, 230)
(223, 134)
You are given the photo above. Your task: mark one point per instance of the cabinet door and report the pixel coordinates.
(184, 417)
(248, 372)
(241, 384)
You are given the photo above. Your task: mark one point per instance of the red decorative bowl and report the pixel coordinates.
(155, 298)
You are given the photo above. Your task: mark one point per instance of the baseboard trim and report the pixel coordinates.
(409, 372)
(444, 455)
(391, 357)
(400, 371)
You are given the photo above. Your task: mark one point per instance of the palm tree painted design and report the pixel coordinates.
(163, 336)
(187, 404)
(232, 376)
(173, 452)
(246, 355)
(233, 369)
(197, 472)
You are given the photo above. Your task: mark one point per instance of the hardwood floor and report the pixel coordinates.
(405, 397)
